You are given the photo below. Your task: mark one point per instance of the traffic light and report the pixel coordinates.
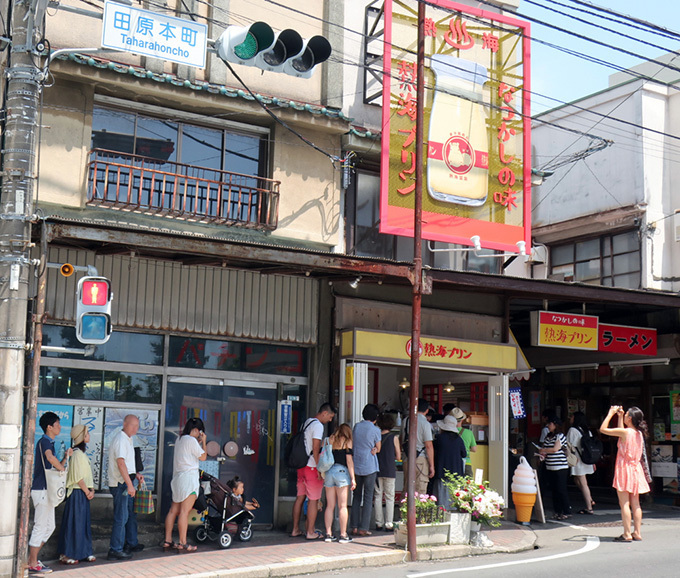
(93, 313)
(285, 51)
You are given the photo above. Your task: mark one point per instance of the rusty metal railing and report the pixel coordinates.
(153, 186)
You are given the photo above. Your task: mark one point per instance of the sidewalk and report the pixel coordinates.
(272, 554)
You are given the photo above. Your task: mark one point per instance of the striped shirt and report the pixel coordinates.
(557, 460)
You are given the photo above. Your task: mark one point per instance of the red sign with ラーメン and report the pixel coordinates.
(625, 339)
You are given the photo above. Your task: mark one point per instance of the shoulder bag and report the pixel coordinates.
(326, 459)
(55, 481)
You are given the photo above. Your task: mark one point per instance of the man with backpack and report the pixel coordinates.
(309, 480)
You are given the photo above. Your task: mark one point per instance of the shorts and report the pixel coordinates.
(309, 483)
(337, 477)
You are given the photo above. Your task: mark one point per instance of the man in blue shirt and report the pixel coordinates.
(43, 519)
(366, 443)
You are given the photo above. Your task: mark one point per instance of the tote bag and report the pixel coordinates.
(326, 459)
(143, 503)
(56, 483)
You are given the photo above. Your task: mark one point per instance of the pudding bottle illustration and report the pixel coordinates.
(458, 151)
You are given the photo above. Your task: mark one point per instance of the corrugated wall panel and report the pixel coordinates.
(169, 296)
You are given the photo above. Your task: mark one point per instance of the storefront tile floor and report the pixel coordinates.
(273, 553)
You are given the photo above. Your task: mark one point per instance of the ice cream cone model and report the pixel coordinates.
(523, 491)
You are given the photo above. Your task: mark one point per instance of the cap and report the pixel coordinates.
(458, 413)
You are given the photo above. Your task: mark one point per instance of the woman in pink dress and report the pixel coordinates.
(629, 477)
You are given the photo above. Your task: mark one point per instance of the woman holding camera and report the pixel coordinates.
(629, 476)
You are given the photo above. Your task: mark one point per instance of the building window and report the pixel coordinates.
(610, 260)
(164, 140)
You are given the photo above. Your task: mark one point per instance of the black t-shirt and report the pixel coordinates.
(340, 456)
(386, 456)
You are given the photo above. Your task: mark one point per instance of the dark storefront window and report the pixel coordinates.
(234, 356)
(122, 347)
(92, 384)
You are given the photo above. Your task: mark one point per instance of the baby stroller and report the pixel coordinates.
(223, 514)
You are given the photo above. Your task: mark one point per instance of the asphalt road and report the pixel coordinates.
(566, 550)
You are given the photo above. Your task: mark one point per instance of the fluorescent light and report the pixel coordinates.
(552, 368)
(634, 362)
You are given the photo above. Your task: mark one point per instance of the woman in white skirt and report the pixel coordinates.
(579, 427)
(189, 450)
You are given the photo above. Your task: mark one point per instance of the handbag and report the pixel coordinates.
(645, 464)
(143, 502)
(572, 458)
(56, 483)
(326, 459)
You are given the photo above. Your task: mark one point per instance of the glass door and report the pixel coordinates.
(241, 419)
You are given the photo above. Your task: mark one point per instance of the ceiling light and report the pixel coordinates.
(575, 366)
(634, 362)
(404, 383)
(449, 387)
(354, 284)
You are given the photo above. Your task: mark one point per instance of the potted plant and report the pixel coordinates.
(482, 503)
(431, 524)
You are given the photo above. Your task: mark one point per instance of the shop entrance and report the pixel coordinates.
(240, 423)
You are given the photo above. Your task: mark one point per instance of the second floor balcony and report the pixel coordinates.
(156, 187)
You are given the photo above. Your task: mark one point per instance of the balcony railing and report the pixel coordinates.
(157, 187)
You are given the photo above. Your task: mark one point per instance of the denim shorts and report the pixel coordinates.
(337, 476)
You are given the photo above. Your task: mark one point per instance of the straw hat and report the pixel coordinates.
(78, 434)
(458, 413)
(449, 423)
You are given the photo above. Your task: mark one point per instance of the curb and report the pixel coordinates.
(313, 564)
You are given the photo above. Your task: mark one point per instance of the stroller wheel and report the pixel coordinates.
(201, 534)
(225, 540)
(245, 533)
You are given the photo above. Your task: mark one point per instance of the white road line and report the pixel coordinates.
(592, 542)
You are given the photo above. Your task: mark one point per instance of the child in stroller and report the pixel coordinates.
(224, 512)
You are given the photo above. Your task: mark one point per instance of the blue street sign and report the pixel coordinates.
(286, 417)
(131, 29)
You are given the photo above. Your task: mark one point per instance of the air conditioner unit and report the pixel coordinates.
(676, 224)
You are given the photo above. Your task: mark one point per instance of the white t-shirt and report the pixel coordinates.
(312, 432)
(121, 447)
(187, 452)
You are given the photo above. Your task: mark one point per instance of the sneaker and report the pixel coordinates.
(39, 568)
(330, 538)
(115, 555)
(345, 540)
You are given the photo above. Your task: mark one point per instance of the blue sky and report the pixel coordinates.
(566, 77)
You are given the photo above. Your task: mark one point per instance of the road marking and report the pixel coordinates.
(592, 542)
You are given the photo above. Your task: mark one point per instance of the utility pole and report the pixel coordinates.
(417, 286)
(23, 85)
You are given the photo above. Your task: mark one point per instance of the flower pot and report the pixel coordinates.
(430, 534)
(460, 527)
(475, 527)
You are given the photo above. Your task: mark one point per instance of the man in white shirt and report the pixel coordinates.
(122, 470)
(309, 480)
(424, 465)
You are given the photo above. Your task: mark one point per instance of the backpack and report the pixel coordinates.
(591, 448)
(295, 455)
(326, 459)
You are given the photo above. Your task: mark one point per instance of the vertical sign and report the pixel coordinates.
(516, 403)
(286, 416)
(477, 126)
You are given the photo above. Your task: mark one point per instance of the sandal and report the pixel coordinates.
(68, 561)
(186, 548)
(168, 545)
(91, 559)
(588, 512)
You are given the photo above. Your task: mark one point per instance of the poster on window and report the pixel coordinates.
(93, 419)
(663, 465)
(146, 439)
(516, 403)
(65, 413)
(675, 407)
